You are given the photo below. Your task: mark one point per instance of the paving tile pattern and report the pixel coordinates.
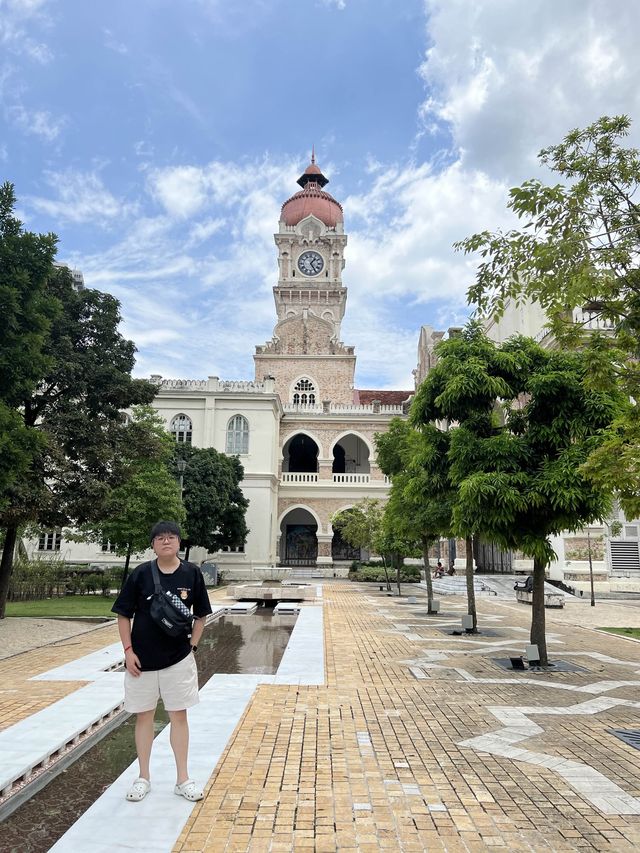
(375, 760)
(20, 697)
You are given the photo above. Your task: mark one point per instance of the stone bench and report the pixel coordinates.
(551, 599)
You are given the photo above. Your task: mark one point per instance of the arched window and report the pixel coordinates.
(181, 429)
(238, 435)
(304, 393)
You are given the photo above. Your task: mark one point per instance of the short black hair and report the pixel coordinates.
(161, 527)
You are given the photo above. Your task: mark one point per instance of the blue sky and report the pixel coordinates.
(159, 139)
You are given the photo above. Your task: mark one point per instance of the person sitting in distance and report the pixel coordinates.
(452, 568)
(439, 570)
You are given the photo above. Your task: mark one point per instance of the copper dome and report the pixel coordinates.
(312, 200)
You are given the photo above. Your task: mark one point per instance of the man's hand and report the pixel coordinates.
(132, 663)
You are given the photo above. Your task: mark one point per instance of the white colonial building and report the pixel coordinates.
(303, 432)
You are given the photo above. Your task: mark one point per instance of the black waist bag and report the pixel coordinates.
(167, 610)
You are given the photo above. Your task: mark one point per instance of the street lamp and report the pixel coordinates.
(181, 464)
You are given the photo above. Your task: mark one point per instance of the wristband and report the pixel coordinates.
(194, 648)
(126, 649)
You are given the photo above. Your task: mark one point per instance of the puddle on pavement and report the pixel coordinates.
(231, 644)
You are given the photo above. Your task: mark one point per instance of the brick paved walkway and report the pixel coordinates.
(374, 759)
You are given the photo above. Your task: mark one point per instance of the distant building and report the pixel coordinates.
(78, 278)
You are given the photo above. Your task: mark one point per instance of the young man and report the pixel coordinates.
(157, 665)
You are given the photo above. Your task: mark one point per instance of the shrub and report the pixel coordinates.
(374, 573)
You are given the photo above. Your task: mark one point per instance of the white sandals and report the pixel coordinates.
(139, 790)
(189, 790)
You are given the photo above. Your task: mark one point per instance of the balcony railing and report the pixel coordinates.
(299, 477)
(351, 478)
(341, 409)
(340, 479)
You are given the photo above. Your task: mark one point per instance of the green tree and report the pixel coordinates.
(74, 412)
(420, 501)
(396, 539)
(526, 423)
(578, 248)
(146, 491)
(361, 527)
(27, 310)
(214, 503)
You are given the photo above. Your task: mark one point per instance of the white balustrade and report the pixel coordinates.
(299, 477)
(351, 478)
(341, 409)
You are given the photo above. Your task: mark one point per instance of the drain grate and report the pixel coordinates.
(629, 736)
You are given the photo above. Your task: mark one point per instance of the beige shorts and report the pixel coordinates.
(176, 685)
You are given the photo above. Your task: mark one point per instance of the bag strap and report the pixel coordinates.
(156, 576)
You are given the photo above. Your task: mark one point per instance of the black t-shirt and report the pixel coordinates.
(154, 648)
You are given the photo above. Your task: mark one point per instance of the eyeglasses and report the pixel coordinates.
(169, 538)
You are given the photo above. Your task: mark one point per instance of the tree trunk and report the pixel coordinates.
(186, 552)
(386, 573)
(125, 571)
(398, 562)
(538, 632)
(427, 574)
(6, 564)
(471, 594)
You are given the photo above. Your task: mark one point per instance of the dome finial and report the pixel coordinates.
(313, 153)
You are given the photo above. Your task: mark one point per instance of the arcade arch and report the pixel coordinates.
(300, 453)
(351, 455)
(299, 537)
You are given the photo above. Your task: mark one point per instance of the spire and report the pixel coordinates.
(312, 173)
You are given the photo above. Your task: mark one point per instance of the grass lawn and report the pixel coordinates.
(625, 632)
(70, 605)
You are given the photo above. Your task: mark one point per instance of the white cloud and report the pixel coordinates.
(410, 219)
(36, 122)
(511, 78)
(15, 15)
(81, 197)
(112, 43)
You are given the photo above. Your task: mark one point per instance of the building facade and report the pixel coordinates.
(302, 430)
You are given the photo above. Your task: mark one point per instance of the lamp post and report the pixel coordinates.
(593, 595)
(181, 465)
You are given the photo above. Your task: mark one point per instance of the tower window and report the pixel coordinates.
(304, 393)
(237, 435)
(181, 429)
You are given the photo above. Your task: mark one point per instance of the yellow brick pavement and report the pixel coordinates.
(371, 761)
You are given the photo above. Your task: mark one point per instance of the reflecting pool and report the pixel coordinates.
(231, 644)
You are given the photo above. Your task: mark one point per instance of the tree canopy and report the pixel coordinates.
(420, 501)
(68, 404)
(214, 503)
(27, 310)
(525, 424)
(146, 492)
(576, 254)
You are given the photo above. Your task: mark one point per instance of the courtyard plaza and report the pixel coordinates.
(381, 730)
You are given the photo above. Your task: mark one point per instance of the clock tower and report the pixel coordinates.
(310, 298)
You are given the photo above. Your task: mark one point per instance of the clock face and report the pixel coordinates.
(310, 263)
